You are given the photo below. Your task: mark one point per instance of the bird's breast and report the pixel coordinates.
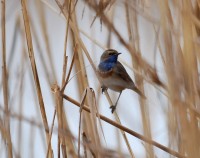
(105, 74)
(110, 81)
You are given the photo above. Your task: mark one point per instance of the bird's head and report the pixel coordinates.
(108, 60)
(110, 55)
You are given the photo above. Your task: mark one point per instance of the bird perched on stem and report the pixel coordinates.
(114, 75)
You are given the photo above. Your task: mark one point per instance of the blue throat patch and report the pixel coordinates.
(108, 64)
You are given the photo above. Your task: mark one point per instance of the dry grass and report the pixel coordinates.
(38, 85)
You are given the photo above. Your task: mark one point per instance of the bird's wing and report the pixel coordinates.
(120, 71)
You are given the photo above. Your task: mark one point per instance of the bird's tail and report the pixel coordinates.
(138, 92)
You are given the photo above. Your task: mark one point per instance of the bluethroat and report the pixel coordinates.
(114, 76)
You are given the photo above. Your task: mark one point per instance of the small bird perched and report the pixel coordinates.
(114, 75)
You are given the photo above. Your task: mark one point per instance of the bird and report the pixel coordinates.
(114, 76)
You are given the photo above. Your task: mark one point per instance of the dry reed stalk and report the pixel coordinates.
(69, 73)
(21, 87)
(84, 146)
(87, 126)
(25, 54)
(181, 79)
(46, 67)
(63, 145)
(87, 144)
(14, 39)
(69, 144)
(34, 70)
(102, 5)
(5, 80)
(80, 122)
(93, 108)
(76, 33)
(79, 64)
(109, 38)
(82, 82)
(139, 136)
(21, 96)
(51, 132)
(65, 57)
(169, 65)
(3, 131)
(127, 130)
(59, 109)
(42, 57)
(58, 146)
(46, 39)
(23, 118)
(96, 144)
(132, 22)
(191, 84)
(66, 142)
(37, 108)
(33, 122)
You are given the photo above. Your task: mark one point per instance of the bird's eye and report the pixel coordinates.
(111, 54)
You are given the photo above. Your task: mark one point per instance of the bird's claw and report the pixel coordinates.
(103, 89)
(113, 107)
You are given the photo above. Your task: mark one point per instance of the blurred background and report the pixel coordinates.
(50, 50)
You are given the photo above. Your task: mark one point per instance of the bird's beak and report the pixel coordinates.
(118, 54)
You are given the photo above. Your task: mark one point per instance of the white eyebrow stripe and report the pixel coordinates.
(111, 51)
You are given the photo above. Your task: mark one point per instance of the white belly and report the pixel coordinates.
(114, 84)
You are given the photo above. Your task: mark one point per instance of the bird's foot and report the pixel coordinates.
(103, 89)
(113, 107)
